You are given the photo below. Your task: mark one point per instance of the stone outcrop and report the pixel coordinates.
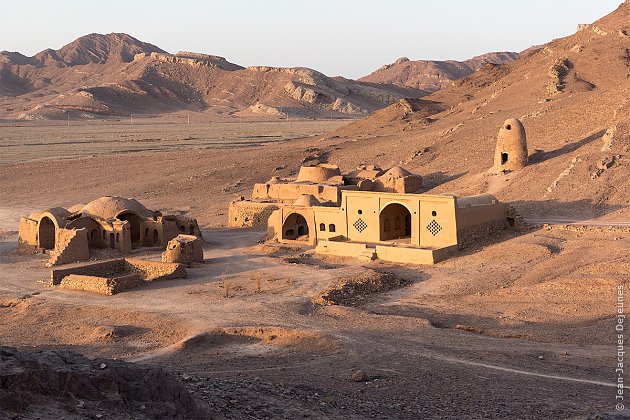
(558, 73)
(73, 386)
(191, 59)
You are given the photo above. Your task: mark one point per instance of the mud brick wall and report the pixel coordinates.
(101, 285)
(109, 268)
(153, 270)
(250, 214)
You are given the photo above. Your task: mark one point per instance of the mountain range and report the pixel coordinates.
(116, 74)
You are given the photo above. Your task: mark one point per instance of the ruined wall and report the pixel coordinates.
(71, 245)
(115, 275)
(109, 268)
(184, 249)
(474, 234)
(182, 224)
(101, 285)
(27, 240)
(249, 214)
(153, 270)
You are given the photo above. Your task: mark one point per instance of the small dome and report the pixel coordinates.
(58, 213)
(110, 207)
(317, 174)
(398, 171)
(307, 200)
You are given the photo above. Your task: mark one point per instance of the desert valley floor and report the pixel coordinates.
(521, 326)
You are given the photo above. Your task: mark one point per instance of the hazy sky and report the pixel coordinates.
(341, 37)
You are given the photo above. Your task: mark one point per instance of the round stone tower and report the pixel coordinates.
(511, 152)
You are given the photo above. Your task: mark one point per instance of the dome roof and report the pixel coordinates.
(397, 171)
(109, 207)
(317, 174)
(307, 200)
(365, 173)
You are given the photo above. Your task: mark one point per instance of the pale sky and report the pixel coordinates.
(350, 38)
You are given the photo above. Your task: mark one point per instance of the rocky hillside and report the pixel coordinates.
(572, 97)
(432, 76)
(61, 384)
(116, 74)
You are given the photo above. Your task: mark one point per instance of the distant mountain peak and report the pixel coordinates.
(100, 49)
(430, 75)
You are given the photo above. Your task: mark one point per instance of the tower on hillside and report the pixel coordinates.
(511, 151)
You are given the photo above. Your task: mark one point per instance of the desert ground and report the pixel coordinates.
(519, 326)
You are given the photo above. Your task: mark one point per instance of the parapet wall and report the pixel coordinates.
(289, 192)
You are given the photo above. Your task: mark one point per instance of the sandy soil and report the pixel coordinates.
(520, 327)
(450, 344)
(49, 140)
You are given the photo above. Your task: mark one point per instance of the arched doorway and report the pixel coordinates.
(46, 233)
(135, 224)
(295, 227)
(395, 223)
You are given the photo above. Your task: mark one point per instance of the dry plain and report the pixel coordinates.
(519, 327)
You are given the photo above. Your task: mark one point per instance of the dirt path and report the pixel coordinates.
(578, 222)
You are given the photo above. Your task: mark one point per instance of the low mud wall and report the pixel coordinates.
(115, 276)
(101, 285)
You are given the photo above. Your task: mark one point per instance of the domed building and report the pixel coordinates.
(324, 182)
(107, 222)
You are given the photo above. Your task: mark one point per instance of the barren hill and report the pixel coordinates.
(572, 96)
(116, 74)
(432, 76)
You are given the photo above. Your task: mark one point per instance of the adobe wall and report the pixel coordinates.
(184, 249)
(289, 192)
(101, 285)
(153, 270)
(109, 268)
(478, 215)
(433, 219)
(120, 270)
(400, 185)
(71, 245)
(27, 240)
(279, 222)
(249, 213)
